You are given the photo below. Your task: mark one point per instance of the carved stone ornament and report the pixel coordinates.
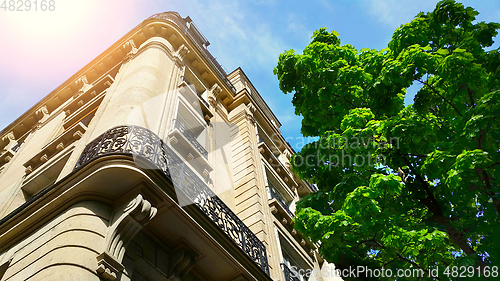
(249, 111)
(251, 108)
(181, 52)
(42, 113)
(212, 101)
(36, 126)
(125, 225)
(216, 89)
(83, 86)
(8, 141)
(131, 50)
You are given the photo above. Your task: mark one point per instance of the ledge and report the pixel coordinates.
(284, 173)
(88, 94)
(47, 173)
(6, 156)
(192, 154)
(54, 147)
(195, 99)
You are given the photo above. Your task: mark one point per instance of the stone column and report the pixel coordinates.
(139, 93)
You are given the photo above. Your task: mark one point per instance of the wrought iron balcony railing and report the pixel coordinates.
(141, 142)
(276, 195)
(289, 274)
(188, 132)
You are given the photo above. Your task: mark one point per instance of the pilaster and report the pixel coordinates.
(250, 194)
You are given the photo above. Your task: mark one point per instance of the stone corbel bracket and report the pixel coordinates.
(131, 50)
(181, 53)
(9, 140)
(214, 92)
(42, 114)
(249, 113)
(83, 85)
(127, 222)
(180, 264)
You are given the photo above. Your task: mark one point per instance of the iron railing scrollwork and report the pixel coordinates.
(276, 195)
(187, 131)
(141, 142)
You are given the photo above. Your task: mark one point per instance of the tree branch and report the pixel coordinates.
(437, 93)
(470, 93)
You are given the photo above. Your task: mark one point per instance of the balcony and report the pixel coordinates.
(183, 138)
(190, 134)
(186, 84)
(147, 147)
(279, 198)
(284, 172)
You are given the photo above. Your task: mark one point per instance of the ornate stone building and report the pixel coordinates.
(150, 163)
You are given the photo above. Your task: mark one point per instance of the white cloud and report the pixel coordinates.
(295, 24)
(396, 12)
(237, 32)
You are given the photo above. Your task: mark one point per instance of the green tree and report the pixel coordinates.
(413, 187)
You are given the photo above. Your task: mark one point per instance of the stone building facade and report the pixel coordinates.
(151, 163)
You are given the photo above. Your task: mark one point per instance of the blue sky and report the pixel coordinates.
(40, 50)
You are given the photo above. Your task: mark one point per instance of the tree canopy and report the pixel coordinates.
(402, 187)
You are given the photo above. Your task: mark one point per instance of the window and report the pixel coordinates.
(192, 128)
(274, 193)
(291, 270)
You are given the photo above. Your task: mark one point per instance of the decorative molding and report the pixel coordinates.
(9, 141)
(126, 224)
(9, 137)
(249, 111)
(212, 101)
(36, 126)
(83, 85)
(42, 113)
(181, 53)
(251, 108)
(108, 267)
(131, 49)
(216, 90)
